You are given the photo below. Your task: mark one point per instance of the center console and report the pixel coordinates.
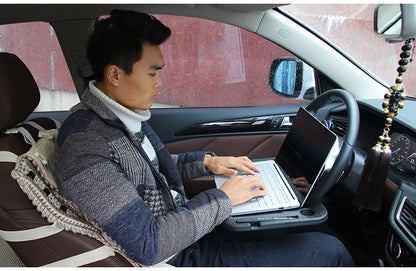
(401, 246)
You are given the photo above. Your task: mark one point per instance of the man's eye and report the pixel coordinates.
(152, 74)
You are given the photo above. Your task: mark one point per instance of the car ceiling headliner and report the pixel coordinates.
(13, 13)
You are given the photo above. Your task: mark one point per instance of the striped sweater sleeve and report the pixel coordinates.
(101, 184)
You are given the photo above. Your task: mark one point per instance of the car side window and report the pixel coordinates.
(35, 43)
(208, 64)
(212, 64)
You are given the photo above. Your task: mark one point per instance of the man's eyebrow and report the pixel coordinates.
(157, 67)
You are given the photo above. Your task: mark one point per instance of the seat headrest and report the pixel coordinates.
(19, 93)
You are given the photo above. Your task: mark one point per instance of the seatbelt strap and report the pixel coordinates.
(29, 235)
(7, 156)
(88, 257)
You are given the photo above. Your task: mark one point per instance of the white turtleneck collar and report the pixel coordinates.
(132, 118)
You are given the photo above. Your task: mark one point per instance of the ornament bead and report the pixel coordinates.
(403, 62)
(401, 69)
(407, 47)
(405, 55)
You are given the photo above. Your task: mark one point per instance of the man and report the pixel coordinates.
(116, 169)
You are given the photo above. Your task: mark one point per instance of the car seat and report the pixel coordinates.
(21, 225)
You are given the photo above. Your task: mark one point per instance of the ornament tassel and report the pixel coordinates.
(369, 193)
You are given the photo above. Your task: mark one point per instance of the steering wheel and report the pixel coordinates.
(321, 108)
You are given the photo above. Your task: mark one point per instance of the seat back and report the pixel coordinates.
(21, 225)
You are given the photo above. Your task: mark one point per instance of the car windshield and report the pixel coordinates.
(350, 28)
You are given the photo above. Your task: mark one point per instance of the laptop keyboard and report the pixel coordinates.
(277, 192)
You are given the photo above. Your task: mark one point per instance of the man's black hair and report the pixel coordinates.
(118, 40)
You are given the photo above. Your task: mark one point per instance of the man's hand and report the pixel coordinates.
(228, 165)
(241, 189)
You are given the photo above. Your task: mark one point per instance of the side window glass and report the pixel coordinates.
(211, 64)
(35, 43)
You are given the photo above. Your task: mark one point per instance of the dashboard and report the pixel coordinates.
(403, 151)
(401, 240)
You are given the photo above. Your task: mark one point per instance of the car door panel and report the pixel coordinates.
(256, 132)
(252, 146)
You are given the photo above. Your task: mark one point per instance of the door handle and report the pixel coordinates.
(286, 123)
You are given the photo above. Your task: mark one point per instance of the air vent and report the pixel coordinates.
(407, 219)
(339, 127)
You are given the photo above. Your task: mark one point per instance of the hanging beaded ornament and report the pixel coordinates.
(369, 193)
(395, 97)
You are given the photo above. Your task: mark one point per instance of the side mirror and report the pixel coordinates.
(395, 22)
(291, 77)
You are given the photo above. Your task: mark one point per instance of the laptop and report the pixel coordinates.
(309, 150)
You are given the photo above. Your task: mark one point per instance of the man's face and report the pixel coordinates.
(138, 89)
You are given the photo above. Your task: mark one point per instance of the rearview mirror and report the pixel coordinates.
(291, 77)
(395, 22)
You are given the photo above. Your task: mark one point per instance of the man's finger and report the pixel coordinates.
(256, 181)
(230, 172)
(258, 193)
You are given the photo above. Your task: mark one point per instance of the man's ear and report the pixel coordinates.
(112, 74)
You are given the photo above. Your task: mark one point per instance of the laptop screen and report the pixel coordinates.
(306, 147)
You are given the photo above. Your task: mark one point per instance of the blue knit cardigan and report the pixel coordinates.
(102, 167)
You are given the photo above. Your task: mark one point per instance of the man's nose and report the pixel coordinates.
(158, 81)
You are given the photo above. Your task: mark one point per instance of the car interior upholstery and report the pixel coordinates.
(220, 107)
(19, 217)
